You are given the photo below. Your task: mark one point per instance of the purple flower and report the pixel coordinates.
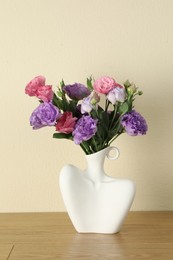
(45, 114)
(76, 91)
(85, 128)
(134, 123)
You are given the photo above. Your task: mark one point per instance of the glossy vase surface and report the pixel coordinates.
(96, 202)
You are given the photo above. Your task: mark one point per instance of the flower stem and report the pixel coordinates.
(114, 115)
(115, 137)
(107, 104)
(85, 148)
(95, 144)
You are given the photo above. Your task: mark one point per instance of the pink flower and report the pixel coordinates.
(36, 87)
(32, 87)
(66, 123)
(45, 93)
(104, 85)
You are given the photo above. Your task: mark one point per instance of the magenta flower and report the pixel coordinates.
(66, 123)
(76, 91)
(45, 114)
(85, 129)
(134, 124)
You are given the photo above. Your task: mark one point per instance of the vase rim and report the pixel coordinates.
(106, 151)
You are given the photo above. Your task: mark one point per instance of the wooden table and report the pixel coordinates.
(144, 235)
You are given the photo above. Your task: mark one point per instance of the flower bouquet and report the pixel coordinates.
(92, 116)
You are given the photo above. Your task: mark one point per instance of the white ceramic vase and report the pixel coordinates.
(96, 202)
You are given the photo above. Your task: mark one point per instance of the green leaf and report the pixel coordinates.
(115, 129)
(57, 102)
(123, 108)
(104, 120)
(62, 84)
(71, 106)
(89, 83)
(62, 135)
(59, 93)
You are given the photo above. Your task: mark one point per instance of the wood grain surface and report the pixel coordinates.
(144, 235)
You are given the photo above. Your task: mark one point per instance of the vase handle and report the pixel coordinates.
(117, 153)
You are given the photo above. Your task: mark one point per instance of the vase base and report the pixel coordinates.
(97, 232)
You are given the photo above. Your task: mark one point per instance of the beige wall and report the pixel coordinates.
(71, 39)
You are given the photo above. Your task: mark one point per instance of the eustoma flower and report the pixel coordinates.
(76, 113)
(104, 85)
(36, 87)
(117, 94)
(76, 91)
(45, 93)
(34, 84)
(85, 129)
(45, 114)
(134, 123)
(66, 123)
(89, 102)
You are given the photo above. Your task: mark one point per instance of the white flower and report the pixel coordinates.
(89, 103)
(116, 94)
(86, 106)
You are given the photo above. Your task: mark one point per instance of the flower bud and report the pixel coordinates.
(94, 98)
(127, 84)
(140, 93)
